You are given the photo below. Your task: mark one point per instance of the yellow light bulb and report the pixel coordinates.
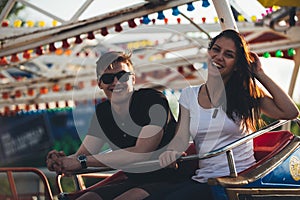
(42, 23)
(54, 23)
(30, 23)
(216, 19)
(17, 23)
(241, 18)
(254, 18)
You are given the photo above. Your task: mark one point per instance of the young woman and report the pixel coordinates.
(225, 108)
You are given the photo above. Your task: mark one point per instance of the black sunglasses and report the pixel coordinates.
(122, 76)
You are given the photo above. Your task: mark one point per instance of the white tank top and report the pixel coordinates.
(211, 133)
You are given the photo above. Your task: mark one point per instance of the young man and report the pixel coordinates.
(137, 124)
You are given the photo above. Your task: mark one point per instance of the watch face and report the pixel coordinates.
(82, 157)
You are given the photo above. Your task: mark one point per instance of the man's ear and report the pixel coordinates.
(133, 79)
(99, 85)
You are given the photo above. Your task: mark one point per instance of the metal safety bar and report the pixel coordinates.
(225, 149)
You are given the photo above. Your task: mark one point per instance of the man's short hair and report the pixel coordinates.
(107, 59)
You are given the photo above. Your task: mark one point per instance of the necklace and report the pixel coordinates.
(215, 113)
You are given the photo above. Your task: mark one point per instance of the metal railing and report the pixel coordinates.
(225, 149)
(11, 180)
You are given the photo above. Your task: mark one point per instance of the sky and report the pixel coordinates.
(65, 9)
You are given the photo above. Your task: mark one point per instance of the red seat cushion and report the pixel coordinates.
(269, 142)
(268, 145)
(191, 150)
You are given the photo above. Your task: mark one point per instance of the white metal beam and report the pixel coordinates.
(45, 36)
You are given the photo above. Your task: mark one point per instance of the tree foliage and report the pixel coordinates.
(15, 9)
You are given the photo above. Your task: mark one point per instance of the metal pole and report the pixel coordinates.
(295, 72)
(231, 163)
(293, 82)
(225, 15)
(12, 184)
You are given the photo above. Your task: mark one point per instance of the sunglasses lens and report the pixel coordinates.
(107, 78)
(122, 76)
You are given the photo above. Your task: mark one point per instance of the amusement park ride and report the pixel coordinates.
(42, 66)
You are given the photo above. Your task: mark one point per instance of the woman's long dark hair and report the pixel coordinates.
(242, 93)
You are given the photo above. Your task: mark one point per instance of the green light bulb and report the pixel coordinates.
(291, 52)
(266, 55)
(279, 53)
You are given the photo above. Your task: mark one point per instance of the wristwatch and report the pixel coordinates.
(82, 159)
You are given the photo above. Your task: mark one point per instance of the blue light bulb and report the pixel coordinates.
(160, 15)
(190, 7)
(146, 19)
(175, 11)
(205, 3)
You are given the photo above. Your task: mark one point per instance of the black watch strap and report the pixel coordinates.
(82, 159)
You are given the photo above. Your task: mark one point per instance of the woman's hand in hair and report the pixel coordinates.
(256, 65)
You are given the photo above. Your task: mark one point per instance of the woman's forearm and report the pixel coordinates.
(284, 105)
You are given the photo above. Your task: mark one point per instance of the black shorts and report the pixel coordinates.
(152, 182)
(111, 191)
